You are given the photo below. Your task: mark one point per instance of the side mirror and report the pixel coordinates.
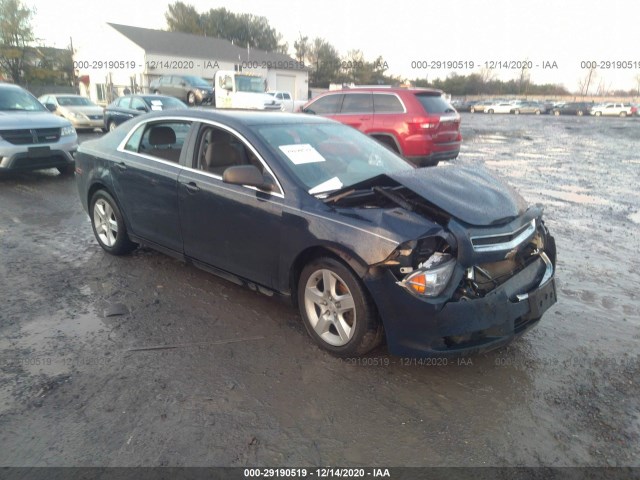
(308, 110)
(142, 109)
(51, 107)
(246, 175)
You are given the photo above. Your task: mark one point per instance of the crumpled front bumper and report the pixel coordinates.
(417, 327)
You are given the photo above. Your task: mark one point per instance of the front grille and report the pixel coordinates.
(506, 241)
(31, 136)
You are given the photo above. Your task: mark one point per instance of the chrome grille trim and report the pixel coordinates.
(519, 236)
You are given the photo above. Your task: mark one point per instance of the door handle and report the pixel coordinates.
(192, 187)
(121, 166)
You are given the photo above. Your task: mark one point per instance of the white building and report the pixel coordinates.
(122, 57)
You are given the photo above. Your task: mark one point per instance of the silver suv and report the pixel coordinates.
(31, 137)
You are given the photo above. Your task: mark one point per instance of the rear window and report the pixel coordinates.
(385, 103)
(434, 103)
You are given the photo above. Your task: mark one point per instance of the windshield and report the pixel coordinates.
(245, 83)
(328, 157)
(197, 81)
(18, 99)
(163, 103)
(75, 102)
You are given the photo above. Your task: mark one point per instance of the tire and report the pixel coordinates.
(157, 92)
(516, 112)
(68, 169)
(580, 113)
(556, 113)
(537, 112)
(623, 114)
(191, 99)
(598, 114)
(342, 318)
(112, 126)
(108, 224)
(472, 110)
(490, 110)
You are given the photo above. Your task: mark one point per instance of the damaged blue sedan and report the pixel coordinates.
(438, 261)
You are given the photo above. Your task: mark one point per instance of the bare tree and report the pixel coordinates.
(585, 82)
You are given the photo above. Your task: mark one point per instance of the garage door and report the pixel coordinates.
(286, 83)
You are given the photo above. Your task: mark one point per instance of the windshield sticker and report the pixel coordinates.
(299, 154)
(331, 184)
(156, 104)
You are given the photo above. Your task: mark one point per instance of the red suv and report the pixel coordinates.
(417, 123)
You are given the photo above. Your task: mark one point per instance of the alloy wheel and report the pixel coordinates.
(330, 307)
(106, 224)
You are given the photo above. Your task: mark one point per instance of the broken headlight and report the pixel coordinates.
(431, 277)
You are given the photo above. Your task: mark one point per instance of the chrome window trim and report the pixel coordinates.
(404, 107)
(121, 149)
(525, 234)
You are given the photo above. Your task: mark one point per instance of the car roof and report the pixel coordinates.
(242, 117)
(388, 90)
(12, 86)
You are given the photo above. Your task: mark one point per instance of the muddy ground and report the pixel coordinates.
(193, 370)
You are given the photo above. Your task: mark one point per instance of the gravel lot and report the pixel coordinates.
(144, 361)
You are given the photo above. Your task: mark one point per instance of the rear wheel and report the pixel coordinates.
(490, 110)
(598, 114)
(538, 112)
(580, 113)
(336, 309)
(623, 114)
(516, 112)
(108, 224)
(472, 110)
(556, 113)
(191, 98)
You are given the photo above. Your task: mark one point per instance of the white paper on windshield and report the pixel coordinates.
(156, 104)
(331, 184)
(302, 153)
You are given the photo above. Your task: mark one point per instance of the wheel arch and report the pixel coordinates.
(349, 259)
(99, 185)
(384, 137)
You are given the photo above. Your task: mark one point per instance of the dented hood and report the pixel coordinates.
(472, 195)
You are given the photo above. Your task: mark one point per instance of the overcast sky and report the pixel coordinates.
(566, 32)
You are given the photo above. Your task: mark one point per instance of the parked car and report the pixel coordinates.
(573, 108)
(466, 106)
(441, 261)
(188, 88)
(612, 109)
(129, 106)
(287, 101)
(528, 107)
(501, 107)
(417, 123)
(79, 110)
(480, 105)
(31, 137)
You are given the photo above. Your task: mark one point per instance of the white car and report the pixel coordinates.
(31, 137)
(612, 110)
(501, 107)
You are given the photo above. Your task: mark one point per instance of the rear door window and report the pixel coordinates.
(357, 103)
(385, 103)
(434, 103)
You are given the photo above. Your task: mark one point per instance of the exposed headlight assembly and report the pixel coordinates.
(431, 277)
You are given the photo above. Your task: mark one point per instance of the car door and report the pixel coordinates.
(123, 111)
(357, 111)
(146, 180)
(231, 227)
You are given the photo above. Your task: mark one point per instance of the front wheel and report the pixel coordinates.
(108, 224)
(191, 98)
(336, 309)
(516, 112)
(490, 110)
(598, 114)
(556, 113)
